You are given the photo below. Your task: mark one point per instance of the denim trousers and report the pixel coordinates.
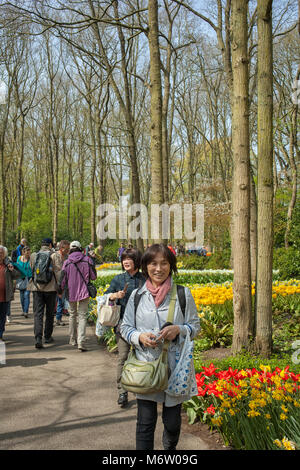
(3, 313)
(25, 300)
(62, 304)
(146, 424)
(43, 301)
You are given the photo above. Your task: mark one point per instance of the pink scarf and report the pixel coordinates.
(160, 292)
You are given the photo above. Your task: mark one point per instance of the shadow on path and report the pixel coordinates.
(30, 362)
(110, 419)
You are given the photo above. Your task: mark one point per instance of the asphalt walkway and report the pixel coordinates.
(58, 398)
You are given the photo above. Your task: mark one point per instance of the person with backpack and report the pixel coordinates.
(146, 328)
(76, 273)
(119, 291)
(43, 285)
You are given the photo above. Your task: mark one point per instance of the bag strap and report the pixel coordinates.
(75, 264)
(181, 298)
(171, 311)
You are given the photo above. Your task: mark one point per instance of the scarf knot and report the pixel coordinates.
(159, 293)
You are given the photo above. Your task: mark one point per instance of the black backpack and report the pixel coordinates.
(43, 269)
(180, 295)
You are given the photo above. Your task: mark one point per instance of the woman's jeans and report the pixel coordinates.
(3, 312)
(146, 423)
(62, 304)
(25, 300)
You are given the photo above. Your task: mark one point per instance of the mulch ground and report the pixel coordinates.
(211, 438)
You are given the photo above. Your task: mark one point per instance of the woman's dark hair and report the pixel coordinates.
(133, 254)
(152, 251)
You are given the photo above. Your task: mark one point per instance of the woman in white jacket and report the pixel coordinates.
(146, 329)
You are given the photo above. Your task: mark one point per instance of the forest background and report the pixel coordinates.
(64, 134)
(163, 102)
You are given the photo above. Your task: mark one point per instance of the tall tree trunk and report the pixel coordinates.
(157, 196)
(253, 228)
(263, 338)
(20, 175)
(293, 147)
(241, 180)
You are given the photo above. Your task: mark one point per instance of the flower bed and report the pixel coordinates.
(252, 409)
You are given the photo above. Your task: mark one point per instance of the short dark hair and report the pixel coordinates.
(63, 243)
(152, 251)
(134, 254)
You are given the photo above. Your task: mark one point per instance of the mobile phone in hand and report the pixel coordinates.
(125, 287)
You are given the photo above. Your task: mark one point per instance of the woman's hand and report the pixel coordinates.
(117, 295)
(148, 340)
(169, 333)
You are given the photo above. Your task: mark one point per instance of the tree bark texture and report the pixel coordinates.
(156, 108)
(241, 180)
(263, 338)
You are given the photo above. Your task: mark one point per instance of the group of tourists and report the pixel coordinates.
(143, 325)
(57, 279)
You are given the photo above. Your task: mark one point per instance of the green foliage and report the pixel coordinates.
(247, 360)
(37, 222)
(192, 261)
(109, 338)
(283, 197)
(288, 262)
(216, 327)
(110, 250)
(218, 260)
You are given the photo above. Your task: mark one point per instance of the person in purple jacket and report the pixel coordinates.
(77, 271)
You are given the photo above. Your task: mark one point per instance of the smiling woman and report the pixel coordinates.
(151, 329)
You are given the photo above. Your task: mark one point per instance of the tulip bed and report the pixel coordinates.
(253, 409)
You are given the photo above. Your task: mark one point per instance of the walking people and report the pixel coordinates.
(23, 265)
(18, 251)
(77, 271)
(89, 248)
(43, 285)
(7, 274)
(145, 328)
(60, 257)
(98, 257)
(120, 251)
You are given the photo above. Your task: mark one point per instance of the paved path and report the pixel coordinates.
(60, 398)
